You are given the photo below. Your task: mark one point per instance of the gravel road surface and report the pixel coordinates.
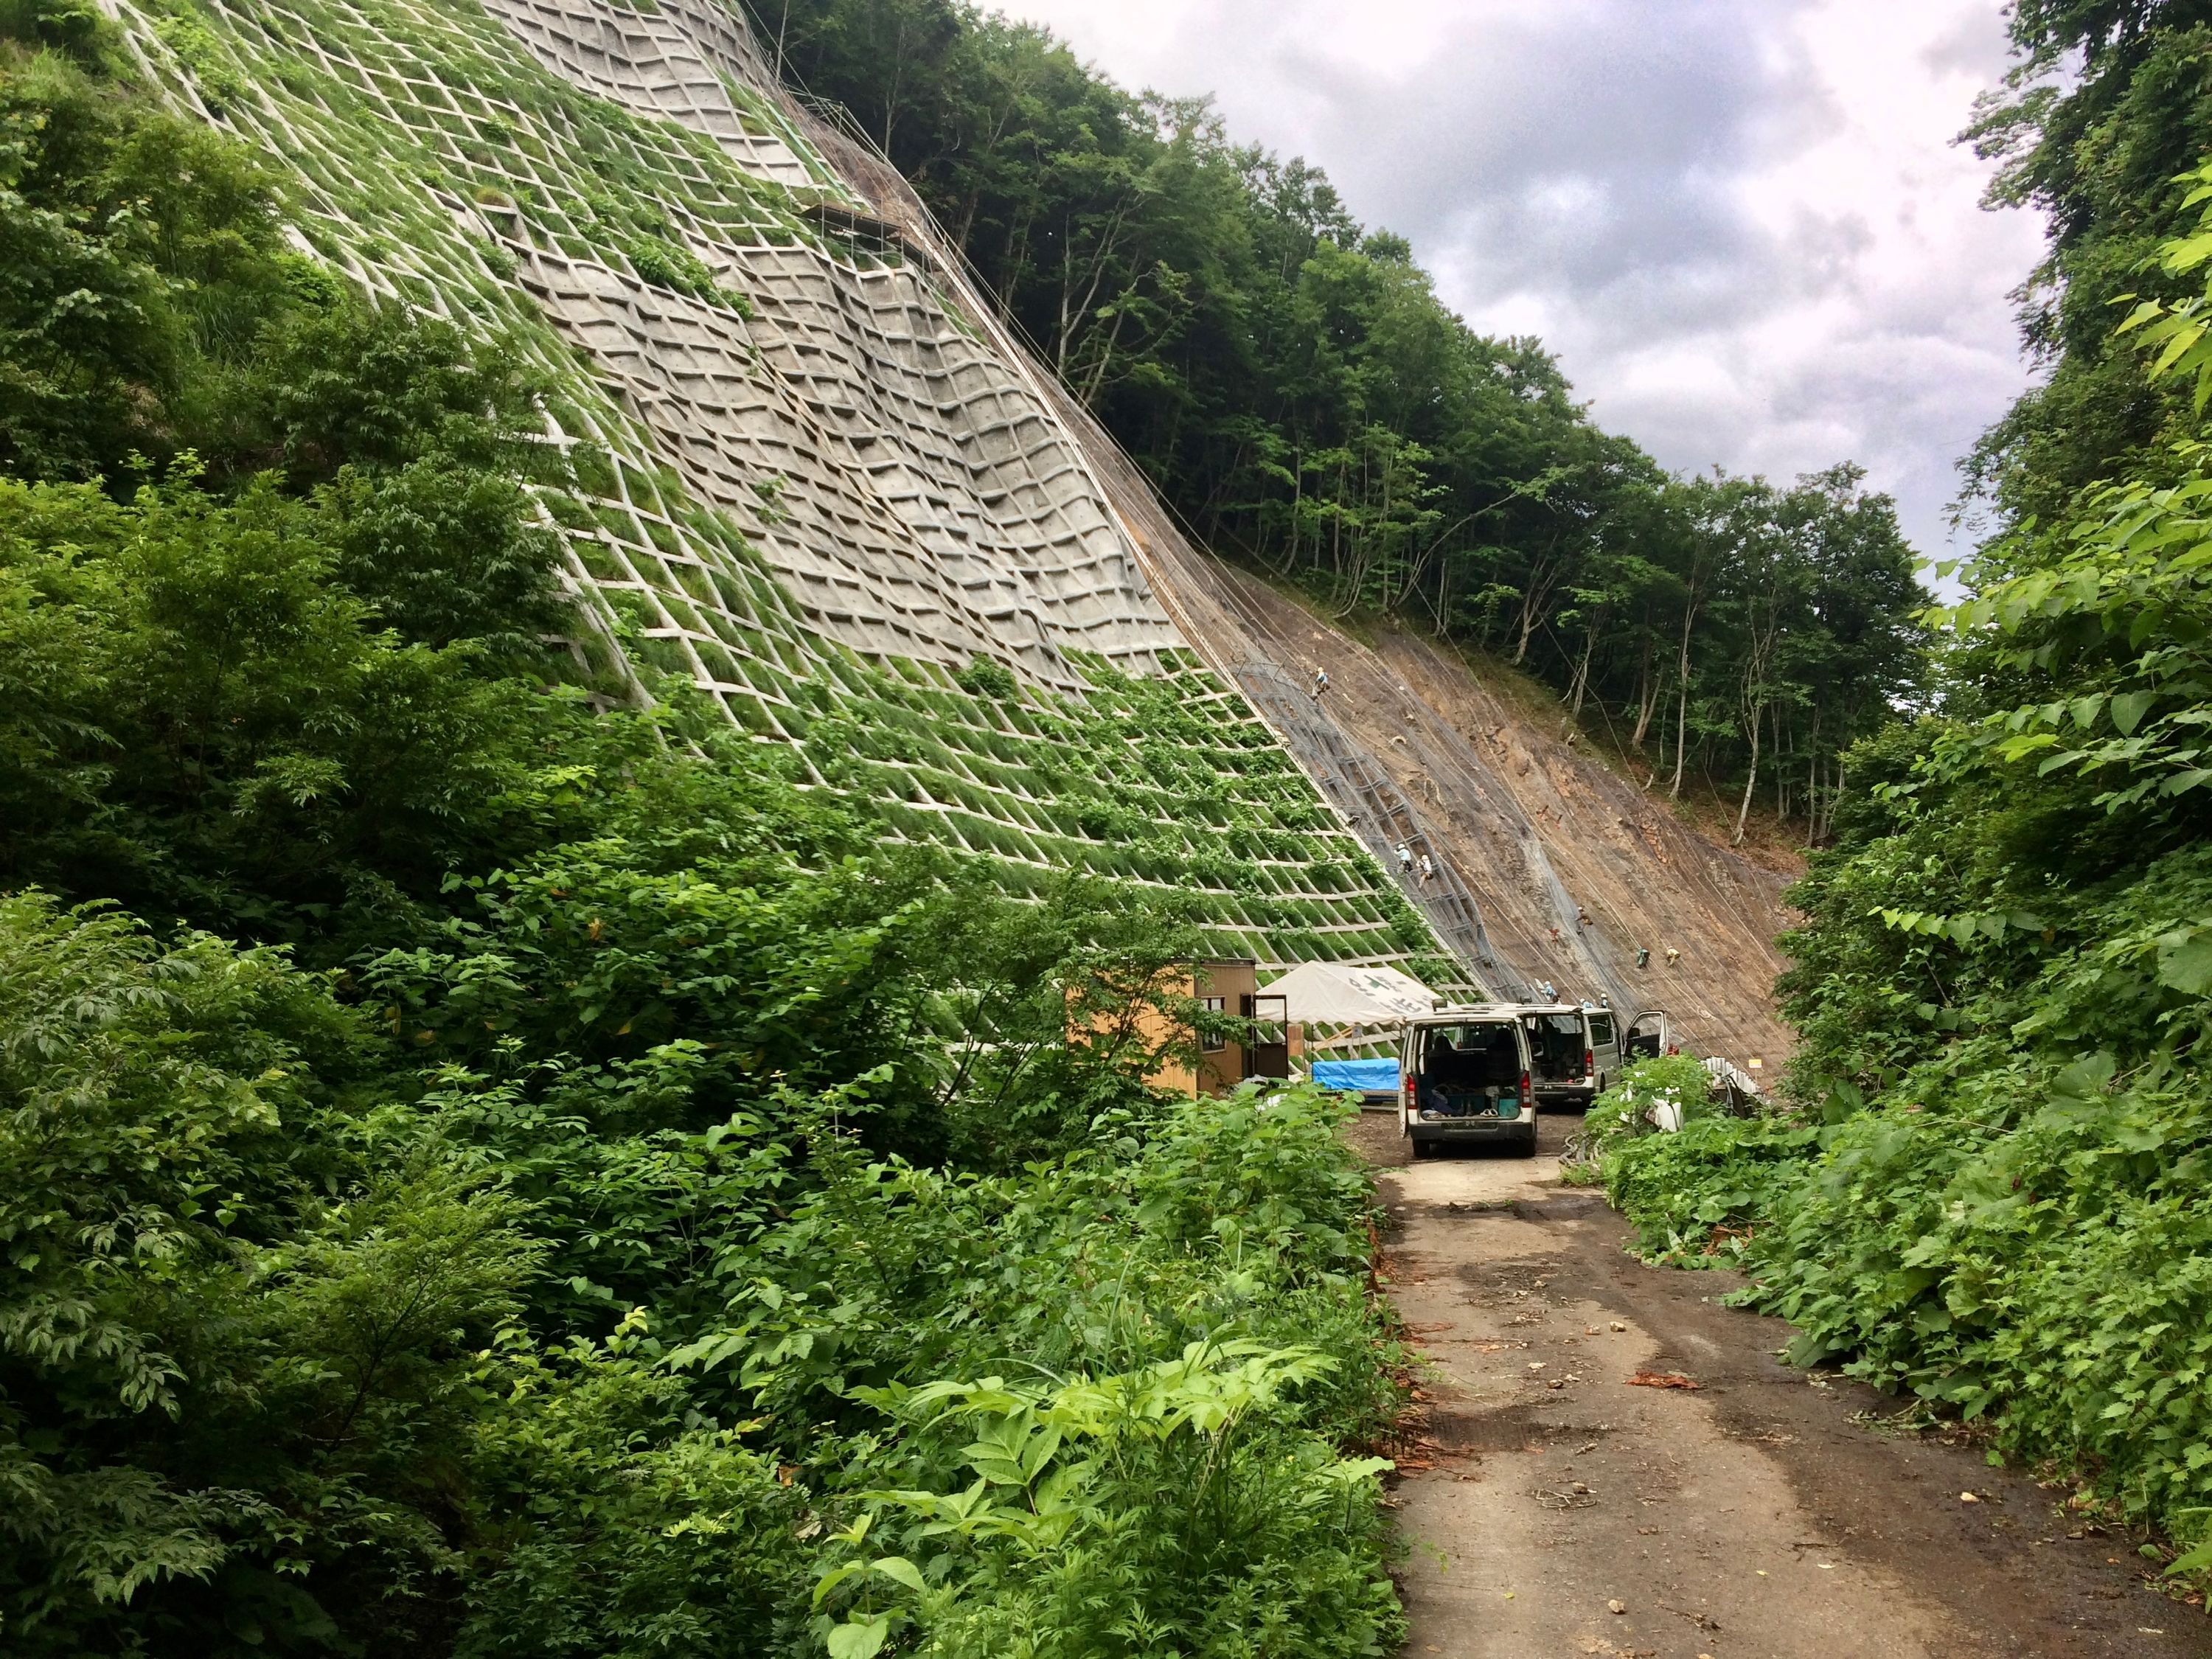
(1563, 1510)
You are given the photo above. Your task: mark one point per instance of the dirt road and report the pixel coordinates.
(1757, 1516)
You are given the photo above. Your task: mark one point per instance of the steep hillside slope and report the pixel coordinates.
(1526, 835)
(1539, 837)
(829, 490)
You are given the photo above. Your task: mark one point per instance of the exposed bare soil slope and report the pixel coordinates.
(1526, 835)
(1550, 866)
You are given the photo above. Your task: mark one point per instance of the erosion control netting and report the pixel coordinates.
(1549, 867)
(816, 485)
(1380, 812)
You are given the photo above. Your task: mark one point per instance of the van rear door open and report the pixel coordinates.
(1563, 1056)
(1649, 1036)
(1466, 1077)
(1605, 1045)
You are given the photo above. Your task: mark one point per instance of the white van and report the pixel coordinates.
(1464, 1079)
(1605, 1043)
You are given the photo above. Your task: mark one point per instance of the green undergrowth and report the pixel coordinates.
(1984, 1186)
(497, 1158)
(306, 1352)
(2005, 1218)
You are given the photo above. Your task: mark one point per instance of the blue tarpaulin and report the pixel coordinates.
(1374, 1077)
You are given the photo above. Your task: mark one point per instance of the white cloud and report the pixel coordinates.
(1741, 224)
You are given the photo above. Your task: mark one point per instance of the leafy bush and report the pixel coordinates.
(205, 721)
(553, 1231)
(1692, 1191)
(1988, 1188)
(1662, 1093)
(217, 1320)
(142, 250)
(1167, 1475)
(1170, 1509)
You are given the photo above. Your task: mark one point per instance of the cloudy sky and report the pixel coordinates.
(1741, 224)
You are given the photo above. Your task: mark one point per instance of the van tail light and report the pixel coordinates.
(1589, 1062)
(1524, 1085)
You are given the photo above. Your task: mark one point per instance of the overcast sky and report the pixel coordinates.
(1742, 225)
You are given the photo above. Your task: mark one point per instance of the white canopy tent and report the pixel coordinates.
(1331, 994)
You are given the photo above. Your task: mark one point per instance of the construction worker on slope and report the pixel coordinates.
(1405, 859)
(1427, 868)
(1320, 683)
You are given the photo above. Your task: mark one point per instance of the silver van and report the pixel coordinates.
(1562, 1050)
(1605, 1042)
(1464, 1079)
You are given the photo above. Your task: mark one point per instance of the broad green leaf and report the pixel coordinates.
(904, 1572)
(2192, 1560)
(2128, 710)
(2085, 1079)
(2187, 966)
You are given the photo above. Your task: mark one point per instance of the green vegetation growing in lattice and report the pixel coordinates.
(423, 149)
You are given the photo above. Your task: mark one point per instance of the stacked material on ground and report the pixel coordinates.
(819, 490)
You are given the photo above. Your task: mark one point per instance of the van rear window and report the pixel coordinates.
(1480, 1054)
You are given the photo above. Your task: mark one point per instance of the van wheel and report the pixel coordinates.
(1526, 1148)
(1422, 1149)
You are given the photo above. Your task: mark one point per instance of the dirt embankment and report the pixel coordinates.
(1550, 866)
(1551, 1506)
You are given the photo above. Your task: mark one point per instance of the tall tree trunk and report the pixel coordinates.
(1750, 782)
(1583, 668)
(1682, 693)
(1647, 693)
(1543, 578)
(1781, 769)
(1681, 726)
(1812, 770)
